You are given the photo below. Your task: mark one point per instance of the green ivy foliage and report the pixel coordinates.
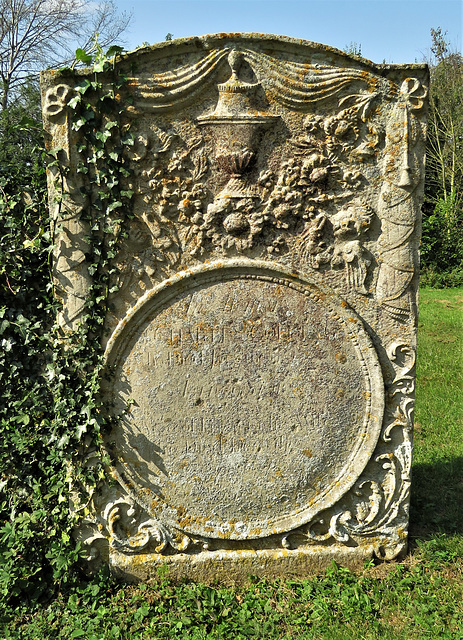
(50, 414)
(442, 243)
(34, 528)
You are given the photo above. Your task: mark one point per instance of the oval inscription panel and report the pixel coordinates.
(255, 402)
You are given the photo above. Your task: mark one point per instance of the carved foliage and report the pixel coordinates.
(376, 508)
(129, 530)
(314, 207)
(316, 200)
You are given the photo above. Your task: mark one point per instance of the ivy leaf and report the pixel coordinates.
(81, 122)
(103, 135)
(81, 429)
(3, 326)
(88, 115)
(128, 139)
(63, 441)
(113, 205)
(73, 102)
(114, 50)
(98, 67)
(83, 56)
(83, 86)
(7, 344)
(24, 418)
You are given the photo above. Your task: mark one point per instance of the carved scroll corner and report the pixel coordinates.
(56, 101)
(392, 549)
(130, 530)
(373, 513)
(93, 545)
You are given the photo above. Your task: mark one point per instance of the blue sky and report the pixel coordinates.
(390, 30)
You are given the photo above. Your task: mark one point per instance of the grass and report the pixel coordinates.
(421, 597)
(437, 497)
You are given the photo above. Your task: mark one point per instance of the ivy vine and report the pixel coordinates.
(52, 416)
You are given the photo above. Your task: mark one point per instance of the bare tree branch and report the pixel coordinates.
(35, 34)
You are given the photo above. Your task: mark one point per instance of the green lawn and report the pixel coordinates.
(421, 597)
(437, 499)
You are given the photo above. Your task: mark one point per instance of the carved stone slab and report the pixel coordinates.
(262, 330)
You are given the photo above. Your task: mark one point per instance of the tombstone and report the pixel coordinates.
(261, 340)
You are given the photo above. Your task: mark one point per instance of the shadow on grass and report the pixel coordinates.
(437, 498)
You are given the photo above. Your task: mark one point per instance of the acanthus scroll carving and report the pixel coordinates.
(130, 530)
(131, 533)
(376, 507)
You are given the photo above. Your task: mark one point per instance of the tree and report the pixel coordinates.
(35, 34)
(442, 247)
(445, 149)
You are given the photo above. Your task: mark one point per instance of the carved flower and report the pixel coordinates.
(236, 223)
(320, 174)
(351, 222)
(290, 175)
(232, 223)
(175, 163)
(285, 203)
(283, 213)
(352, 178)
(313, 124)
(166, 202)
(188, 209)
(342, 129)
(265, 179)
(139, 149)
(277, 245)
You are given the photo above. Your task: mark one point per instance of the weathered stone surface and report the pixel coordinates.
(263, 335)
(256, 402)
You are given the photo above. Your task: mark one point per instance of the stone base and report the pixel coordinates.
(235, 567)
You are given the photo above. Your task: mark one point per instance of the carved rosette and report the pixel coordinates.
(56, 101)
